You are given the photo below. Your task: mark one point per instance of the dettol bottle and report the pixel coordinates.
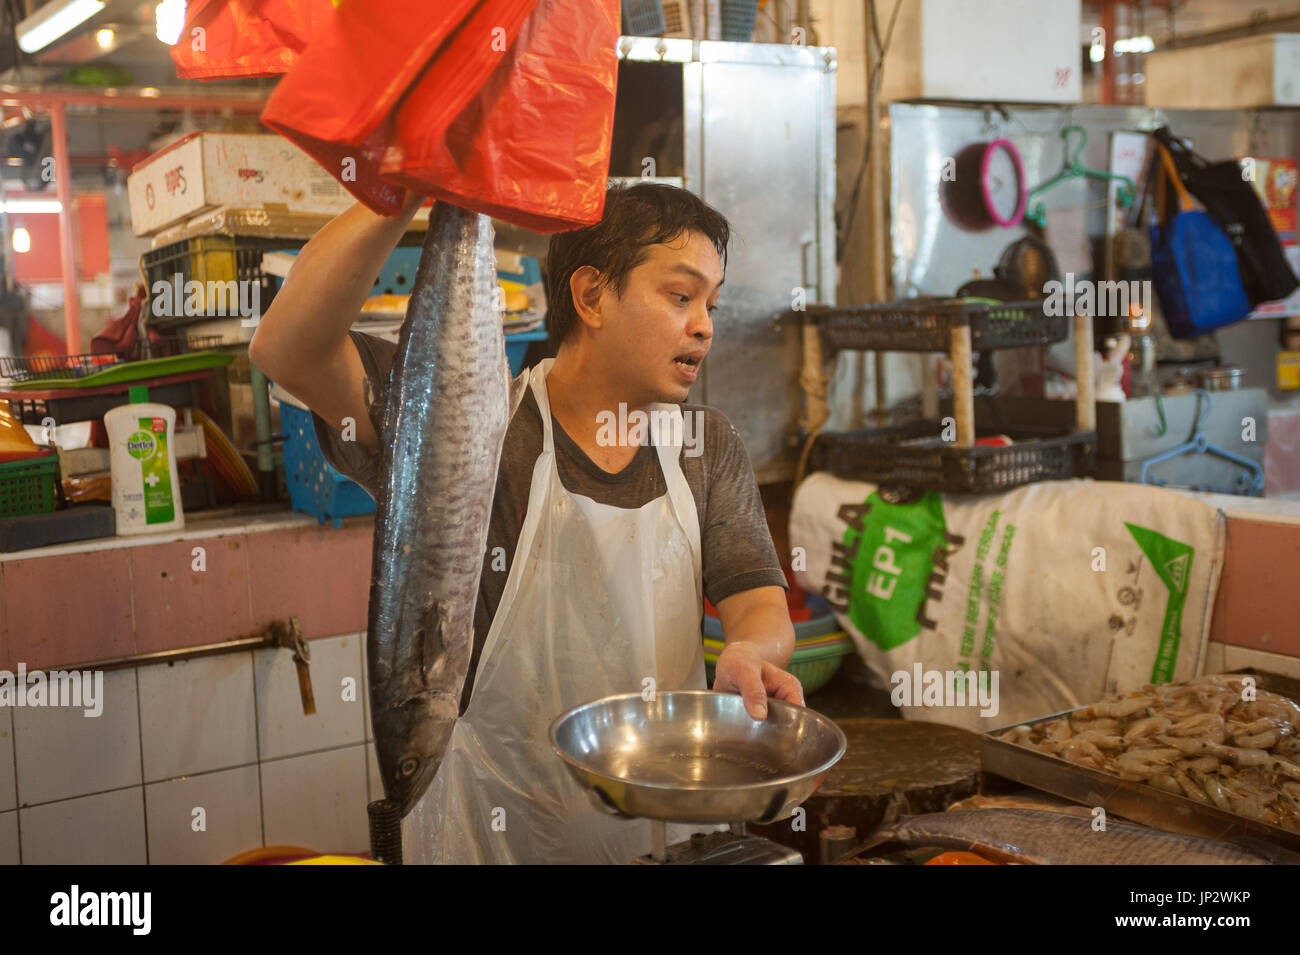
(146, 486)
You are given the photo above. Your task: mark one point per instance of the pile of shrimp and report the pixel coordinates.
(1217, 739)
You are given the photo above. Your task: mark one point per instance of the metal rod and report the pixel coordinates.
(171, 656)
(262, 418)
(67, 251)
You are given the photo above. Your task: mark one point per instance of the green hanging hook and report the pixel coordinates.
(1074, 169)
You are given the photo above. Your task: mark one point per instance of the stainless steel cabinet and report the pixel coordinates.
(750, 128)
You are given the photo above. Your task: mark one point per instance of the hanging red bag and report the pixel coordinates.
(532, 147)
(245, 37)
(339, 101)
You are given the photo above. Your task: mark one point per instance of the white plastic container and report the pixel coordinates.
(146, 485)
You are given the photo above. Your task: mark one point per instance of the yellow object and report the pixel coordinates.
(385, 303)
(516, 300)
(13, 436)
(335, 860)
(1288, 370)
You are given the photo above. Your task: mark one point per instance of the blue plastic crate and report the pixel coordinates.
(315, 487)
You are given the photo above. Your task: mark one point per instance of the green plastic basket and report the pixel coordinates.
(29, 486)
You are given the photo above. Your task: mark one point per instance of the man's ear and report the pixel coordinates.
(584, 286)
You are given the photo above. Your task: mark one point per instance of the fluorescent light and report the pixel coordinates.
(169, 20)
(1135, 44)
(22, 240)
(31, 205)
(54, 20)
(104, 38)
(1096, 53)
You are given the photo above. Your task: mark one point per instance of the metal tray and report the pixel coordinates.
(1131, 800)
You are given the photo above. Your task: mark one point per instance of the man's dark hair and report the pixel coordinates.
(635, 217)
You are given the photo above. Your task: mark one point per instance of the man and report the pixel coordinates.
(599, 552)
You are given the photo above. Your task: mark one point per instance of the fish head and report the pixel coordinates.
(410, 741)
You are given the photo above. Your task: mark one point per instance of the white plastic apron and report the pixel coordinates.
(598, 599)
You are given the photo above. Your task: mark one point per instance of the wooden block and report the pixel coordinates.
(1257, 603)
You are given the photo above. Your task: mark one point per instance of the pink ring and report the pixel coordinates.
(1020, 179)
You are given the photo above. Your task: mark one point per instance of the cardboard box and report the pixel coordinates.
(203, 171)
(1236, 74)
(1020, 51)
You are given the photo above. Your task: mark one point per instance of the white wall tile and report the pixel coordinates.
(232, 817)
(282, 729)
(374, 781)
(8, 791)
(197, 716)
(9, 838)
(317, 801)
(63, 753)
(104, 829)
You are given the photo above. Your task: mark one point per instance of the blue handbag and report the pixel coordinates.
(1194, 265)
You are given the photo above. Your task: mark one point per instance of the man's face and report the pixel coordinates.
(659, 331)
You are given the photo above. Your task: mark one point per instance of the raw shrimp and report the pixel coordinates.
(1147, 726)
(1211, 787)
(1145, 763)
(1118, 709)
(1203, 726)
(1058, 731)
(1083, 752)
(1099, 739)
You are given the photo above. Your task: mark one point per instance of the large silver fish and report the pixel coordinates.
(448, 407)
(1036, 837)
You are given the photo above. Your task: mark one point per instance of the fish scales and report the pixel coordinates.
(1051, 838)
(442, 432)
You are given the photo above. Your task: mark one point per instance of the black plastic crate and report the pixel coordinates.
(926, 325)
(915, 456)
(207, 259)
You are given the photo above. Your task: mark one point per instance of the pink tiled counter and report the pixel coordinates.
(219, 579)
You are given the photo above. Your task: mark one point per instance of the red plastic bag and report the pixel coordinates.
(532, 147)
(339, 101)
(246, 37)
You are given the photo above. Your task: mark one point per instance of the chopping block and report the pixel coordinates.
(893, 767)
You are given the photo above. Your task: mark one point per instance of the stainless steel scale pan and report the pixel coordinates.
(697, 756)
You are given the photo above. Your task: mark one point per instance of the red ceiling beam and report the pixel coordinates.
(129, 98)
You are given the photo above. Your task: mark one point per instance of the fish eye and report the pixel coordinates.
(409, 766)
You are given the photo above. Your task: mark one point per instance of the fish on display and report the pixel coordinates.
(1037, 837)
(443, 428)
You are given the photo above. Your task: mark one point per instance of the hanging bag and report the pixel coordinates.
(1193, 262)
(1233, 203)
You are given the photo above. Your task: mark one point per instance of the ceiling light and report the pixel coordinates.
(22, 240)
(30, 205)
(54, 20)
(169, 18)
(1135, 44)
(104, 38)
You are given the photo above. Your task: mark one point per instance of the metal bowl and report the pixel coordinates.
(696, 756)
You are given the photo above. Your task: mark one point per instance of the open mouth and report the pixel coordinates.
(688, 363)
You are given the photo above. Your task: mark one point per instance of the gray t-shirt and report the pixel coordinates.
(738, 553)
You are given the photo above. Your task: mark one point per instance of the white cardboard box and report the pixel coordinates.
(1020, 51)
(202, 171)
(1236, 74)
